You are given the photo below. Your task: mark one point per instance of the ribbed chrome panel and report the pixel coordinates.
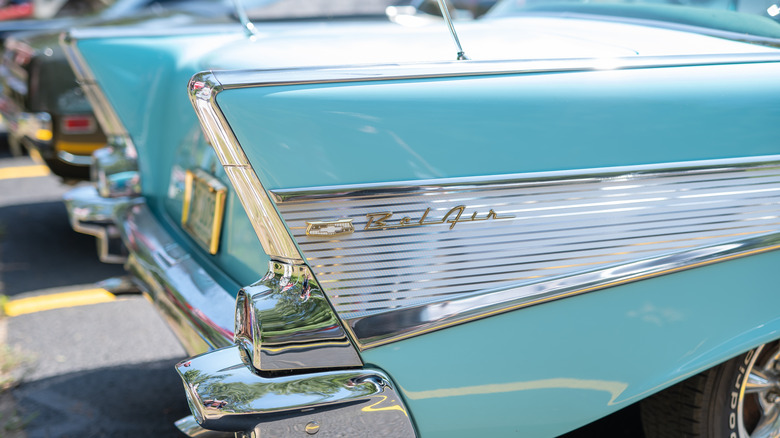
(545, 226)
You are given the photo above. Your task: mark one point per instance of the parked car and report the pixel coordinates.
(43, 106)
(364, 236)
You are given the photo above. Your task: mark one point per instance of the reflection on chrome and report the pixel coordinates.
(284, 322)
(224, 394)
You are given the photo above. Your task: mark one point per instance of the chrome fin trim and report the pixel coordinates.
(225, 394)
(267, 223)
(284, 322)
(289, 323)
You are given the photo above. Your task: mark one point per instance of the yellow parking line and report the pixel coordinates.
(23, 172)
(57, 301)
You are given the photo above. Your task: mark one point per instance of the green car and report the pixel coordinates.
(509, 226)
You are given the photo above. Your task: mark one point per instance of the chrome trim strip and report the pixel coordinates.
(197, 308)
(284, 322)
(225, 394)
(267, 223)
(365, 73)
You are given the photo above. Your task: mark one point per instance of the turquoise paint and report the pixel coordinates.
(547, 369)
(544, 370)
(302, 136)
(167, 135)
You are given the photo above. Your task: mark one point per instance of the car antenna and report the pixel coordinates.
(249, 27)
(445, 12)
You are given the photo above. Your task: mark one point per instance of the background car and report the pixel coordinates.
(364, 236)
(44, 108)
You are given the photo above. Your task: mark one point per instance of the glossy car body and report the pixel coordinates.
(44, 108)
(581, 215)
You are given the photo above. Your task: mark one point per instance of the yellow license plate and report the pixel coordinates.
(204, 207)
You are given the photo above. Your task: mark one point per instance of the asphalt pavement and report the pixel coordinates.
(97, 370)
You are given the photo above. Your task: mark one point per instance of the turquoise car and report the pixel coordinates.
(510, 226)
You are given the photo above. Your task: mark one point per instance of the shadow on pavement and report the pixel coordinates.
(139, 400)
(39, 250)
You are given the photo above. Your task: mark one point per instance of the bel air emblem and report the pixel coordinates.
(384, 221)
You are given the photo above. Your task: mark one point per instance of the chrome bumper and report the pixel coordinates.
(95, 215)
(226, 395)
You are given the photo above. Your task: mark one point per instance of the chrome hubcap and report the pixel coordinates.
(758, 411)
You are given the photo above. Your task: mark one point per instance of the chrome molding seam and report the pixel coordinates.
(225, 395)
(197, 308)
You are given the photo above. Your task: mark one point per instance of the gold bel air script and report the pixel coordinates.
(383, 220)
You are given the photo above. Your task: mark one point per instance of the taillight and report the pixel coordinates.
(78, 124)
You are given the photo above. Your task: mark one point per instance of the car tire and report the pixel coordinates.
(739, 398)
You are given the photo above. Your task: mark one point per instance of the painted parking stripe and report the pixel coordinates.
(23, 172)
(24, 306)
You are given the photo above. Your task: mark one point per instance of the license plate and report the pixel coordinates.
(204, 207)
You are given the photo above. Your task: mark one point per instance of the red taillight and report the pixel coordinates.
(78, 125)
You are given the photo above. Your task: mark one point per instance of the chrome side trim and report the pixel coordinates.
(224, 394)
(405, 270)
(95, 215)
(367, 73)
(268, 226)
(198, 309)
(284, 322)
